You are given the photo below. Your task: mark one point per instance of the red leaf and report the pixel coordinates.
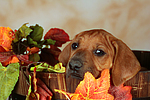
(24, 59)
(9, 57)
(121, 92)
(6, 57)
(59, 35)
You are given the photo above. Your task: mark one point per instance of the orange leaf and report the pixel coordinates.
(14, 60)
(33, 50)
(91, 88)
(7, 35)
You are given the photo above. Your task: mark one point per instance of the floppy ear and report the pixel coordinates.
(65, 54)
(125, 64)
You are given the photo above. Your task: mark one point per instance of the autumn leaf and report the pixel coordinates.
(91, 88)
(7, 35)
(8, 58)
(57, 34)
(5, 57)
(121, 92)
(24, 59)
(14, 59)
(33, 50)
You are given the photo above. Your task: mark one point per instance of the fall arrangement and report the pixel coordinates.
(25, 46)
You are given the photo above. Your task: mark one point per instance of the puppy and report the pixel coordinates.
(95, 50)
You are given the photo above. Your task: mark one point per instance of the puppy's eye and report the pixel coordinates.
(74, 46)
(99, 52)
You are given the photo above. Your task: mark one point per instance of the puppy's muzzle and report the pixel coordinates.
(75, 64)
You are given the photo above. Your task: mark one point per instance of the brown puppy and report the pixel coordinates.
(95, 50)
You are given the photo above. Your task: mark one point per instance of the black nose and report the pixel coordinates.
(75, 64)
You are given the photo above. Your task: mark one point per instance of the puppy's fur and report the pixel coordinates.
(95, 50)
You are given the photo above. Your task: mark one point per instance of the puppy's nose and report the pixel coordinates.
(75, 64)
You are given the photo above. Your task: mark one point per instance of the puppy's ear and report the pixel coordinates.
(125, 64)
(65, 54)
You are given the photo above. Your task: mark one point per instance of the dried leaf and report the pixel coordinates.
(57, 34)
(91, 88)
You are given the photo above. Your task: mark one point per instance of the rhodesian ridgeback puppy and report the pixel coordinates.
(95, 50)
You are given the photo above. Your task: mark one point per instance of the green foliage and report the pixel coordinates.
(49, 41)
(47, 68)
(34, 57)
(37, 32)
(32, 43)
(29, 37)
(22, 32)
(8, 78)
(25, 31)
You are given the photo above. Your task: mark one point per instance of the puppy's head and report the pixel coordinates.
(95, 50)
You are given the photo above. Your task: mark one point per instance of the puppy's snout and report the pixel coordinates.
(75, 64)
